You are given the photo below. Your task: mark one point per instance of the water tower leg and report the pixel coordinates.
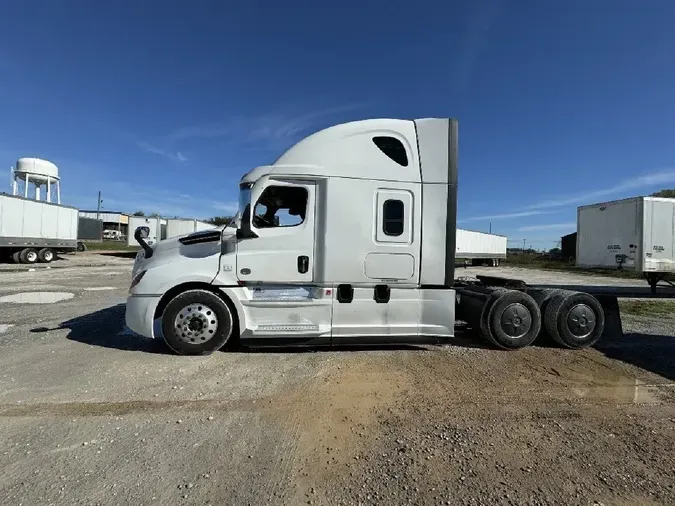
(58, 192)
(37, 192)
(49, 190)
(25, 190)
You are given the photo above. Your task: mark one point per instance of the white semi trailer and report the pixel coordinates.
(635, 234)
(178, 226)
(34, 231)
(480, 248)
(348, 237)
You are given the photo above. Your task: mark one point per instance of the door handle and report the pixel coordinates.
(303, 264)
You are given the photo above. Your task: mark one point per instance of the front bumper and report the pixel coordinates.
(140, 314)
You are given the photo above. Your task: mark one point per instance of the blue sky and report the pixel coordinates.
(163, 105)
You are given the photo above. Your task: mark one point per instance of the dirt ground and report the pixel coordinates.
(91, 414)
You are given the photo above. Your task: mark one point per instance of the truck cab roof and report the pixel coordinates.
(380, 149)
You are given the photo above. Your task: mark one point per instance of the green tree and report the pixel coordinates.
(139, 213)
(669, 194)
(219, 220)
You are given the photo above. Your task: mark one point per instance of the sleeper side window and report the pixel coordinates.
(393, 220)
(281, 206)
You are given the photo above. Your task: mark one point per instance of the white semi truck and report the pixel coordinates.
(349, 236)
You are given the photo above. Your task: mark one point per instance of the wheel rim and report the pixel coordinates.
(48, 256)
(516, 320)
(31, 256)
(581, 321)
(196, 323)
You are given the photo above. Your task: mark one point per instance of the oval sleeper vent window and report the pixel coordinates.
(393, 148)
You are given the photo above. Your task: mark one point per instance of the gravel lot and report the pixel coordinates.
(90, 414)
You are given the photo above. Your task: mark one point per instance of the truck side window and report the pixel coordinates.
(393, 148)
(280, 206)
(392, 214)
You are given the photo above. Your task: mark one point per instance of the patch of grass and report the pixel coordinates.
(660, 308)
(110, 246)
(536, 262)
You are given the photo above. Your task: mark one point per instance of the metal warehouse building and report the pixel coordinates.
(112, 220)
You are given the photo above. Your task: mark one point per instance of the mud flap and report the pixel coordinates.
(613, 326)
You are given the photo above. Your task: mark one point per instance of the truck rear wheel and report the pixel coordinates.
(574, 319)
(46, 255)
(513, 320)
(28, 256)
(197, 322)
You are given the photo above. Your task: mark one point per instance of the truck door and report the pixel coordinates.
(284, 220)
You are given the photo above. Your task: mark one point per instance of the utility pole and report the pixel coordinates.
(98, 206)
(523, 245)
(490, 227)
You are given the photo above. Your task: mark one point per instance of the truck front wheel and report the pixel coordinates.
(197, 322)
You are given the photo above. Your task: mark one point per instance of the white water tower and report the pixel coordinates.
(40, 173)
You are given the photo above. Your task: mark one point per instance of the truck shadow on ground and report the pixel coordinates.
(650, 352)
(105, 328)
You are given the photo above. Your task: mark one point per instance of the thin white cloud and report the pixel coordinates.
(178, 156)
(650, 180)
(124, 197)
(504, 216)
(549, 226)
(273, 128)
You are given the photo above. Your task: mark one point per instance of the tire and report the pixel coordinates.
(574, 320)
(28, 256)
(212, 317)
(81, 246)
(543, 298)
(514, 320)
(16, 257)
(484, 324)
(46, 255)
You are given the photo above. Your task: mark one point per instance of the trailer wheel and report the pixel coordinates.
(574, 320)
(81, 246)
(16, 257)
(46, 255)
(197, 322)
(513, 321)
(28, 256)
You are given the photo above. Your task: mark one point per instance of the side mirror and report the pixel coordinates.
(244, 231)
(140, 239)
